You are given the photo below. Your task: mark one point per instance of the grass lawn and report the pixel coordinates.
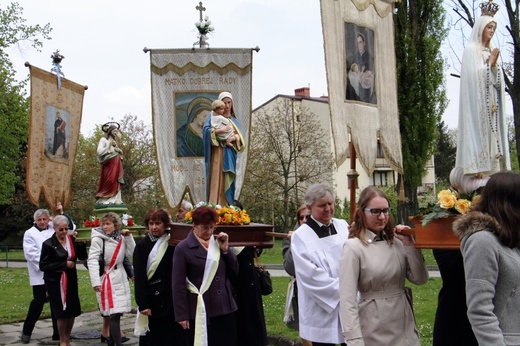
(269, 256)
(17, 294)
(425, 304)
(11, 253)
(274, 255)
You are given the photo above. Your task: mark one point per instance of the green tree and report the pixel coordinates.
(419, 32)
(446, 150)
(342, 209)
(14, 107)
(286, 154)
(14, 30)
(85, 177)
(14, 121)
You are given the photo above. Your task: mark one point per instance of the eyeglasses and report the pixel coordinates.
(60, 229)
(377, 212)
(303, 217)
(206, 228)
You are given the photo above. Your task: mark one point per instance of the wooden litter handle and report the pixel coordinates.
(407, 231)
(276, 234)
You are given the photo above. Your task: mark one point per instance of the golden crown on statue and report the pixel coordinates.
(489, 8)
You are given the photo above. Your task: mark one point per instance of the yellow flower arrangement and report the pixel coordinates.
(449, 203)
(447, 199)
(227, 215)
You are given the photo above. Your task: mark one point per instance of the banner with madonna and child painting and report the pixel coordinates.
(184, 84)
(360, 63)
(56, 110)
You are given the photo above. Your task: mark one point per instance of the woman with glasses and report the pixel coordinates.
(202, 294)
(375, 307)
(58, 263)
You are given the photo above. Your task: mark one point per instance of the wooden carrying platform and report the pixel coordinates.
(254, 234)
(435, 235)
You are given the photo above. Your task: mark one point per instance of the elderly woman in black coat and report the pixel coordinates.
(58, 263)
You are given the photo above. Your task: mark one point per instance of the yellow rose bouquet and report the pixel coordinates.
(450, 203)
(227, 215)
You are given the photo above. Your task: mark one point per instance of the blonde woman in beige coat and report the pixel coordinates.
(374, 306)
(112, 287)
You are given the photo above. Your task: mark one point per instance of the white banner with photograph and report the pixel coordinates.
(360, 63)
(184, 84)
(53, 136)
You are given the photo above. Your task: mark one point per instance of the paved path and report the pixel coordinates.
(87, 326)
(86, 331)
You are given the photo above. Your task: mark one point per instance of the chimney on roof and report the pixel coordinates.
(302, 92)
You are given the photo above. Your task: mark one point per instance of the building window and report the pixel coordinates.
(380, 154)
(380, 179)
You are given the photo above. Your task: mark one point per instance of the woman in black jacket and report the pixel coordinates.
(153, 284)
(58, 263)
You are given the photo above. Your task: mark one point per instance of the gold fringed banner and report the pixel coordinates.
(360, 63)
(53, 136)
(382, 7)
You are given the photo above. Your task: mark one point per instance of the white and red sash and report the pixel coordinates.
(64, 279)
(106, 284)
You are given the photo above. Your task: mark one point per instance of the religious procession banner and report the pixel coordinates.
(53, 136)
(184, 84)
(360, 63)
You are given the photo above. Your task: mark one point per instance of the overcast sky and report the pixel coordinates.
(103, 42)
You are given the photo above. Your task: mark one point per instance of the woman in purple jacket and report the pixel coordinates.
(200, 282)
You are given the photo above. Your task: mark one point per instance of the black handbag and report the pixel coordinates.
(101, 261)
(264, 277)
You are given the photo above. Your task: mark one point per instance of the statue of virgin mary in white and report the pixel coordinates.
(482, 145)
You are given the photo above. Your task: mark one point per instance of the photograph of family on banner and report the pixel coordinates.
(185, 83)
(361, 72)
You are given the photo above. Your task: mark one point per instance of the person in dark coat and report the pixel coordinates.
(153, 274)
(58, 263)
(250, 315)
(452, 325)
(292, 320)
(202, 264)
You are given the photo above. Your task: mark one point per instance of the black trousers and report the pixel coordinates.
(222, 331)
(165, 331)
(35, 310)
(452, 327)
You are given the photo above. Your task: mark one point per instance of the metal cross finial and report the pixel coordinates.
(201, 9)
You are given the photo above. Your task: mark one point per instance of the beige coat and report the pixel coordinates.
(382, 314)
